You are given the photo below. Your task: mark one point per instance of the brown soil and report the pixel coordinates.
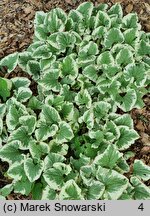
(16, 32)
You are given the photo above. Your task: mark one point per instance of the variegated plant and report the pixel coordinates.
(67, 140)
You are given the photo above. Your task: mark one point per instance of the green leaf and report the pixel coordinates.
(21, 134)
(14, 113)
(141, 170)
(95, 191)
(116, 9)
(38, 149)
(24, 58)
(23, 94)
(39, 18)
(51, 159)
(69, 68)
(55, 176)
(83, 98)
(37, 191)
(20, 82)
(10, 62)
(50, 115)
(141, 191)
(54, 24)
(124, 57)
(67, 111)
(32, 170)
(109, 158)
(136, 73)
(64, 133)
(129, 100)
(130, 35)
(42, 52)
(70, 191)
(33, 68)
(9, 150)
(23, 186)
(65, 39)
(127, 138)
(16, 171)
(112, 37)
(105, 58)
(2, 110)
(45, 130)
(29, 122)
(48, 194)
(49, 81)
(143, 48)
(1, 126)
(124, 120)
(6, 190)
(130, 21)
(101, 109)
(5, 88)
(115, 183)
(99, 32)
(91, 72)
(34, 103)
(85, 9)
(88, 118)
(102, 19)
(41, 33)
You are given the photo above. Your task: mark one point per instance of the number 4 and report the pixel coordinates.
(141, 207)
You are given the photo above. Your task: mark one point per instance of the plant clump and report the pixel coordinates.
(69, 141)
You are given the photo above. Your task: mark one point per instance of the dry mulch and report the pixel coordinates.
(16, 32)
